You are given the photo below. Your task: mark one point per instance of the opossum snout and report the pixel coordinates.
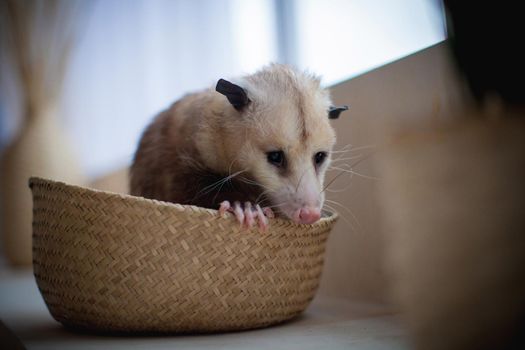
(306, 215)
(305, 207)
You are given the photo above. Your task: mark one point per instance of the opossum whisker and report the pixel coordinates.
(227, 179)
(332, 181)
(230, 170)
(344, 172)
(250, 182)
(346, 210)
(216, 184)
(264, 198)
(338, 191)
(353, 149)
(231, 166)
(358, 161)
(255, 183)
(261, 195)
(343, 149)
(330, 190)
(342, 216)
(343, 157)
(340, 159)
(262, 202)
(276, 205)
(353, 172)
(220, 184)
(344, 188)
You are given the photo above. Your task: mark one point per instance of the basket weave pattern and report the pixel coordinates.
(121, 263)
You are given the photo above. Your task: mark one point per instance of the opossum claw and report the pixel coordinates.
(224, 207)
(248, 215)
(239, 213)
(263, 221)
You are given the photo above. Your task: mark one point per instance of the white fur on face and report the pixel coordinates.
(288, 113)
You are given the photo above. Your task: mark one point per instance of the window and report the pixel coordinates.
(341, 38)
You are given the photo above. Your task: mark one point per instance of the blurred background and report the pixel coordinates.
(131, 59)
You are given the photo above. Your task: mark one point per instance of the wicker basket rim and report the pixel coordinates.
(328, 216)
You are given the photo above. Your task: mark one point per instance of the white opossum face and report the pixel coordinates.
(282, 137)
(289, 159)
(287, 141)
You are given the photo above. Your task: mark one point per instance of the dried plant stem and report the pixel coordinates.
(38, 36)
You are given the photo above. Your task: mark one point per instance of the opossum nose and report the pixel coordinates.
(307, 215)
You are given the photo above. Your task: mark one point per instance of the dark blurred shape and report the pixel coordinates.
(8, 340)
(334, 112)
(454, 200)
(454, 196)
(487, 41)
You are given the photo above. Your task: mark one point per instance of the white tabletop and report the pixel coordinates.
(328, 323)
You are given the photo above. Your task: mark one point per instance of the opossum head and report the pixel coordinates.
(283, 138)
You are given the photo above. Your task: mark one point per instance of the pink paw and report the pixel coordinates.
(248, 215)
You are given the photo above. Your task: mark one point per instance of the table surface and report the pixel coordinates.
(329, 323)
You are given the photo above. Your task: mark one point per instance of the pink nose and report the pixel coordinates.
(307, 215)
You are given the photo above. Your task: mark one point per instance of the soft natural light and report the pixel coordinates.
(137, 58)
(254, 33)
(340, 38)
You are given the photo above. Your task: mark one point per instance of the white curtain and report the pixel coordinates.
(137, 57)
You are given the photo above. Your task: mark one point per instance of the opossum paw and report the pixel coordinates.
(248, 215)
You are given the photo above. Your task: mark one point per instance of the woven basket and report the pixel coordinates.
(112, 262)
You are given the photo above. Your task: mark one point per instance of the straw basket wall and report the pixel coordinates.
(113, 262)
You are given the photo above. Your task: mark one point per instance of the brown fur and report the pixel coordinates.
(201, 139)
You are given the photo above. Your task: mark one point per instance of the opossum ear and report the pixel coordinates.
(234, 93)
(333, 112)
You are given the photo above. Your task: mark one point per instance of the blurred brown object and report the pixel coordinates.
(116, 182)
(453, 199)
(38, 37)
(485, 38)
(452, 196)
(414, 93)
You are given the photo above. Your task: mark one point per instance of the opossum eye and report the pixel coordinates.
(276, 158)
(319, 158)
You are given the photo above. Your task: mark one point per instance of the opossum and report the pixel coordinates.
(255, 147)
